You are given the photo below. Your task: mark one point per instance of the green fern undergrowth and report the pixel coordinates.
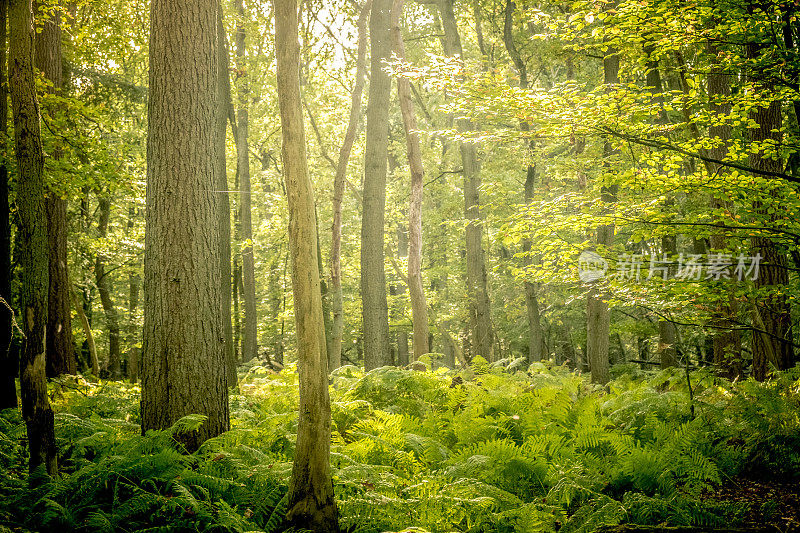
(493, 448)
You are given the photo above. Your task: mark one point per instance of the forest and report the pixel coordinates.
(419, 266)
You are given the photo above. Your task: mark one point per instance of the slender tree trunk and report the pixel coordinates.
(727, 345)
(535, 334)
(373, 274)
(419, 305)
(477, 285)
(60, 349)
(104, 288)
(311, 501)
(772, 347)
(8, 388)
(32, 235)
(250, 330)
(598, 316)
(87, 332)
(667, 332)
(335, 354)
(183, 356)
(224, 215)
(133, 303)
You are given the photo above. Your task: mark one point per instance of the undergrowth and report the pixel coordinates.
(488, 449)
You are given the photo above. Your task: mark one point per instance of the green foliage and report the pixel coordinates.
(502, 451)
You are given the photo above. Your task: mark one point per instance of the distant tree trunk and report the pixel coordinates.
(32, 235)
(477, 285)
(224, 215)
(133, 304)
(104, 288)
(183, 356)
(373, 274)
(250, 330)
(772, 320)
(311, 502)
(598, 317)
(727, 345)
(60, 349)
(8, 388)
(337, 330)
(419, 305)
(87, 331)
(667, 332)
(535, 334)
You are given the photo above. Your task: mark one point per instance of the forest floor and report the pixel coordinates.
(773, 503)
(495, 448)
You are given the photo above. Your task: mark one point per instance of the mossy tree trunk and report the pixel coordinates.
(32, 235)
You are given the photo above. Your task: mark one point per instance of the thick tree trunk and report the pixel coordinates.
(419, 305)
(32, 235)
(337, 330)
(373, 275)
(598, 316)
(104, 288)
(8, 389)
(224, 215)
(183, 357)
(311, 499)
(60, 349)
(480, 323)
(250, 329)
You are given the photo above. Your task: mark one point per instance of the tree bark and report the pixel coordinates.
(250, 329)
(598, 316)
(183, 356)
(32, 235)
(224, 215)
(87, 331)
(419, 305)
(60, 349)
(337, 330)
(8, 388)
(104, 288)
(311, 500)
(373, 274)
(480, 323)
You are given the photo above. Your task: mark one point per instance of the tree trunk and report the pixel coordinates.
(772, 320)
(250, 329)
(32, 235)
(598, 317)
(480, 323)
(224, 214)
(727, 345)
(535, 335)
(8, 388)
(183, 356)
(419, 305)
(104, 288)
(133, 327)
(337, 330)
(311, 500)
(60, 349)
(87, 331)
(373, 275)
